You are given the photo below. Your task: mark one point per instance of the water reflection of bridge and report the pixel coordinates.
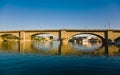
(54, 48)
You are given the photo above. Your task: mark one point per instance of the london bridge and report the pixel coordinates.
(63, 34)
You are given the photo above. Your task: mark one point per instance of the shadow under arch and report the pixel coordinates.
(117, 42)
(118, 38)
(9, 37)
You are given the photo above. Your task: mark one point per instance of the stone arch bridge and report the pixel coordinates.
(63, 34)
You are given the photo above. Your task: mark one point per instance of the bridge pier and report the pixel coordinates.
(106, 37)
(63, 36)
(22, 36)
(109, 37)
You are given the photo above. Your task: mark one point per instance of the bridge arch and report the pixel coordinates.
(99, 36)
(9, 37)
(50, 35)
(28, 35)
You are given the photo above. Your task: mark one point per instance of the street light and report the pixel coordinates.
(109, 25)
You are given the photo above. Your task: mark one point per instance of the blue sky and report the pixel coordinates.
(59, 14)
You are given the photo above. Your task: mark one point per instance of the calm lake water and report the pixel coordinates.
(54, 58)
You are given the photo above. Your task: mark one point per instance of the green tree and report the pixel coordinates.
(51, 37)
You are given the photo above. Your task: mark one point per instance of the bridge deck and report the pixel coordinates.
(70, 30)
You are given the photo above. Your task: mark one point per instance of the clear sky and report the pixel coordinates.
(59, 14)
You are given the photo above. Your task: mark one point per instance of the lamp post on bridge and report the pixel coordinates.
(109, 25)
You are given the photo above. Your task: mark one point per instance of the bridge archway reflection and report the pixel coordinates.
(86, 46)
(55, 48)
(45, 46)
